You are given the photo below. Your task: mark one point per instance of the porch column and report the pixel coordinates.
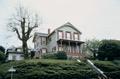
(69, 47)
(76, 50)
(61, 46)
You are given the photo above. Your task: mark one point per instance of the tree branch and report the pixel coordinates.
(18, 34)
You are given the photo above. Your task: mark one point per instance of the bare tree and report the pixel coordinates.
(22, 23)
(92, 46)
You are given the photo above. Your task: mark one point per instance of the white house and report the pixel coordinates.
(65, 38)
(14, 53)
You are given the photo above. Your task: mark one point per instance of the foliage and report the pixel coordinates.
(2, 57)
(49, 56)
(2, 49)
(32, 54)
(58, 55)
(109, 49)
(91, 46)
(22, 23)
(57, 69)
(61, 55)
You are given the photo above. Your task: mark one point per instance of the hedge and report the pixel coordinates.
(56, 69)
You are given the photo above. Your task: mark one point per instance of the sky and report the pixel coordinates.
(96, 19)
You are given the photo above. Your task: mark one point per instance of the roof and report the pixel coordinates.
(46, 35)
(70, 25)
(39, 34)
(66, 24)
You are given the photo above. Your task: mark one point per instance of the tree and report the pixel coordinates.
(2, 49)
(22, 23)
(109, 49)
(91, 46)
(2, 57)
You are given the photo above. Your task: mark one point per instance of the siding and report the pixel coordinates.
(68, 29)
(52, 41)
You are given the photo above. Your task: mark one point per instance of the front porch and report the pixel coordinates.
(71, 47)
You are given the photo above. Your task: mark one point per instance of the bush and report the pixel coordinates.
(49, 56)
(58, 55)
(57, 69)
(109, 50)
(48, 70)
(61, 55)
(2, 57)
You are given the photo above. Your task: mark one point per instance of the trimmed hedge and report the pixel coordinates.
(56, 69)
(59, 55)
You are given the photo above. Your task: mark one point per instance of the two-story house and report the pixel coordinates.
(64, 38)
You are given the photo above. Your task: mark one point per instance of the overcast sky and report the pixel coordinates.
(98, 19)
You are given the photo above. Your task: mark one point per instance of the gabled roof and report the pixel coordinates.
(39, 34)
(70, 25)
(66, 24)
(46, 35)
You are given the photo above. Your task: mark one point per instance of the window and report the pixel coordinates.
(60, 48)
(44, 50)
(60, 34)
(53, 49)
(68, 35)
(76, 37)
(43, 40)
(14, 57)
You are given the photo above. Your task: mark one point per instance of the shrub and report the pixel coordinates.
(49, 56)
(109, 49)
(58, 55)
(56, 69)
(61, 55)
(2, 57)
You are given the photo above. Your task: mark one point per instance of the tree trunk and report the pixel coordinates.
(25, 49)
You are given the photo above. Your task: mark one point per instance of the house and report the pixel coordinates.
(65, 38)
(15, 53)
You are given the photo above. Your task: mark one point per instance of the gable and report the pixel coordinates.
(68, 27)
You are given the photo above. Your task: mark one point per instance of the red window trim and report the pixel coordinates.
(66, 34)
(77, 35)
(62, 34)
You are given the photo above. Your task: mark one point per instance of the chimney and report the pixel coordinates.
(48, 31)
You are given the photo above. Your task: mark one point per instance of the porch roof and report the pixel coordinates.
(71, 41)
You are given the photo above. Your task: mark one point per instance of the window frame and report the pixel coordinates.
(75, 33)
(43, 49)
(62, 34)
(67, 32)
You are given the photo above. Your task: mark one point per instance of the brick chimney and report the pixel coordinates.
(48, 31)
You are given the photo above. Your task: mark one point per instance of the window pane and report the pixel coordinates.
(60, 35)
(60, 48)
(76, 36)
(43, 40)
(14, 57)
(43, 50)
(68, 35)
